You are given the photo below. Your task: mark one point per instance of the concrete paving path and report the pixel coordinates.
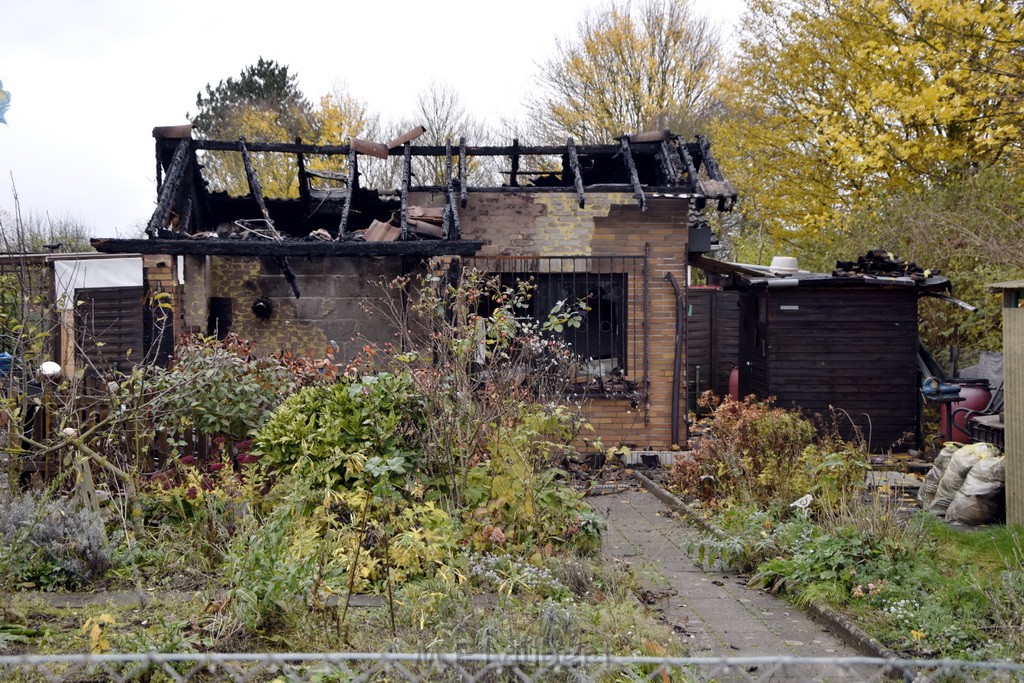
(714, 611)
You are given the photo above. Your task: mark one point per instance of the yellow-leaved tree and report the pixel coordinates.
(626, 69)
(265, 104)
(833, 105)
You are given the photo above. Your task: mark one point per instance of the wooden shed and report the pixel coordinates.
(818, 342)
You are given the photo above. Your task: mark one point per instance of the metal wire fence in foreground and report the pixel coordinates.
(470, 668)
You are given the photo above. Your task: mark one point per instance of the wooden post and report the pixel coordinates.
(1013, 397)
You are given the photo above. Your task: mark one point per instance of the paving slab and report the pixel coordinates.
(713, 611)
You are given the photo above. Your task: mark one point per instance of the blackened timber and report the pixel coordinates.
(513, 179)
(710, 165)
(638, 190)
(159, 172)
(668, 165)
(574, 164)
(455, 229)
(462, 172)
(422, 150)
(254, 182)
(448, 162)
(169, 192)
(289, 274)
(406, 183)
(450, 228)
(296, 248)
(353, 178)
(691, 168)
(300, 158)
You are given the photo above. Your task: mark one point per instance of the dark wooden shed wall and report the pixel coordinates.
(712, 340)
(853, 348)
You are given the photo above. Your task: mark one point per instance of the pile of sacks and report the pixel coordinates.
(966, 484)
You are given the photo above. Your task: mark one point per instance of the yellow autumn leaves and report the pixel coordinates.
(831, 103)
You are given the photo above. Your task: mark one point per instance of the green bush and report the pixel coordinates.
(329, 434)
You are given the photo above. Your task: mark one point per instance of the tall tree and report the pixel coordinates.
(265, 104)
(626, 69)
(440, 110)
(833, 104)
(265, 86)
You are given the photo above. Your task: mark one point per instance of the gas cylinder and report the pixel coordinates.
(734, 383)
(975, 395)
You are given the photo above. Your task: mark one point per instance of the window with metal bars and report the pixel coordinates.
(608, 294)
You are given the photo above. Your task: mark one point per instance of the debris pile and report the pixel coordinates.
(882, 263)
(424, 222)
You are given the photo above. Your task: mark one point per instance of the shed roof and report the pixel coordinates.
(754, 276)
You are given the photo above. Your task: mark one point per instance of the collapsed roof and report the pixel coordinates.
(349, 219)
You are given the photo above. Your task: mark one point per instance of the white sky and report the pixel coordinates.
(89, 79)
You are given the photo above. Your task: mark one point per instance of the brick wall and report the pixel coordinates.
(611, 224)
(160, 276)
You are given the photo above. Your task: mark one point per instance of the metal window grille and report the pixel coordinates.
(613, 290)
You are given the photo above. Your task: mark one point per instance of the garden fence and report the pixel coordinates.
(467, 668)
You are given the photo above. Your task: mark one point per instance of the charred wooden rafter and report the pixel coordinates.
(513, 179)
(255, 189)
(638, 190)
(669, 165)
(462, 172)
(574, 164)
(257, 192)
(169, 192)
(691, 168)
(450, 226)
(300, 159)
(710, 165)
(406, 184)
(353, 178)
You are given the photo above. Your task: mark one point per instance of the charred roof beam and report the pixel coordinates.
(638, 190)
(168, 196)
(574, 165)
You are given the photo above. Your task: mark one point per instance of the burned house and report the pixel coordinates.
(610, 223)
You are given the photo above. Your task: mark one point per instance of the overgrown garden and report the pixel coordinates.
(262, 496)
(796, 515)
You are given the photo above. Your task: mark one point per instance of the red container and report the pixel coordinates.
(734, 383)
(975, 396)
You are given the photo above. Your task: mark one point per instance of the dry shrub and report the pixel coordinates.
(750, 451)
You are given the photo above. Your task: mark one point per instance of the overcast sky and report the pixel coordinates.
(89, 79)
